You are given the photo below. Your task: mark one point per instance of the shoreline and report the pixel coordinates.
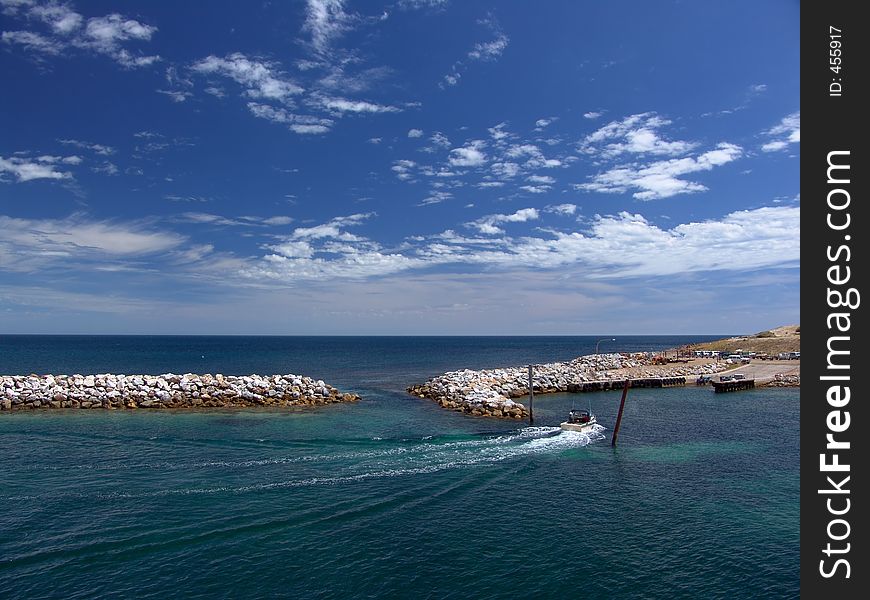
(492, 392)
(162, 392)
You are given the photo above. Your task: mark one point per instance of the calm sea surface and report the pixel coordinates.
(392, 497)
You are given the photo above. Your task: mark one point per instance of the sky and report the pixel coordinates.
(414, 167)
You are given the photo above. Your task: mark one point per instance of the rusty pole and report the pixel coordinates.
(619, 415)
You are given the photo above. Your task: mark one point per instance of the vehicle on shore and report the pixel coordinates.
(580, 419)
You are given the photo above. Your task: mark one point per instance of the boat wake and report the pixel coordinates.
(424, 456)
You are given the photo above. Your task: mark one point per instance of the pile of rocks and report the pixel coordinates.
(480, 393)
(780, 380)
(164, 391)
(490, 392)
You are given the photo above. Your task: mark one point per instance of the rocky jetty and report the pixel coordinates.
(491, 392)
(107, 391)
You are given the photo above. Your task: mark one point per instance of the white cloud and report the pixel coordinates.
(498, 132)
(375, 140)
(592, 115)
(636, 134)
(488, 225)
(786, 132)
(28, 169)
(33, 41)
(470, 155)
(613, 247)
(436, 197)
(539, 184)
(540, 124)
(661, 179)
(107, 32)
(442, 172)
(452, 78)
(177, 198)
(106, 168)
(78, 237)
(326, 20)
(176, 95)
(342, 105)
(404, 169)
(742, 240)
(774, 146)
(342, 75)
(261, 79)
(507, 157)
(505, 170)
(104, 35)
(308, 129)
(146, 135)
(415, 133)
(535, 189)
(535, 159)
(327, 251)
(627, 245)
(278, 220)
(412, 4)
(439, 140)
(489, 50)
(47, 158)
(13, 7)
(520, 150)
(562, 209)
(302, 124)
(202, 218)
(545, 179)
(481, 52)
(100, 149)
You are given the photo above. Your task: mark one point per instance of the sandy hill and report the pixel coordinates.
(773, 341)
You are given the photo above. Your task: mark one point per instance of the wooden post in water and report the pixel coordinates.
(531, 395)
(619, 415)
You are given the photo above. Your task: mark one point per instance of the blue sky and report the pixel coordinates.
(411, 167)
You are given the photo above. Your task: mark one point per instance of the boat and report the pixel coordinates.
(581, 420)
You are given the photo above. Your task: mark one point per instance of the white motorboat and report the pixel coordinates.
(581, 420)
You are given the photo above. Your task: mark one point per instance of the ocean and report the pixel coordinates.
(393, 497)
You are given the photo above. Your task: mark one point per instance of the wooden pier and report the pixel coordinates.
(616, 384)
(733, 386)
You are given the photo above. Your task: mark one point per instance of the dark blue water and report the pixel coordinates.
(393, 496)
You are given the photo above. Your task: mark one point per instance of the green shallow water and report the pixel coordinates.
(394, 497)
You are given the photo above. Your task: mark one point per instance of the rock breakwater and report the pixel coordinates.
(491, 392)
(110, 391)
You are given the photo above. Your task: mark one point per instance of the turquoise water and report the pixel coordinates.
(393, 496)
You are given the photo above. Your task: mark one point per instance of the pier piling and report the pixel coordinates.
(531, 395)
(619, 415)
